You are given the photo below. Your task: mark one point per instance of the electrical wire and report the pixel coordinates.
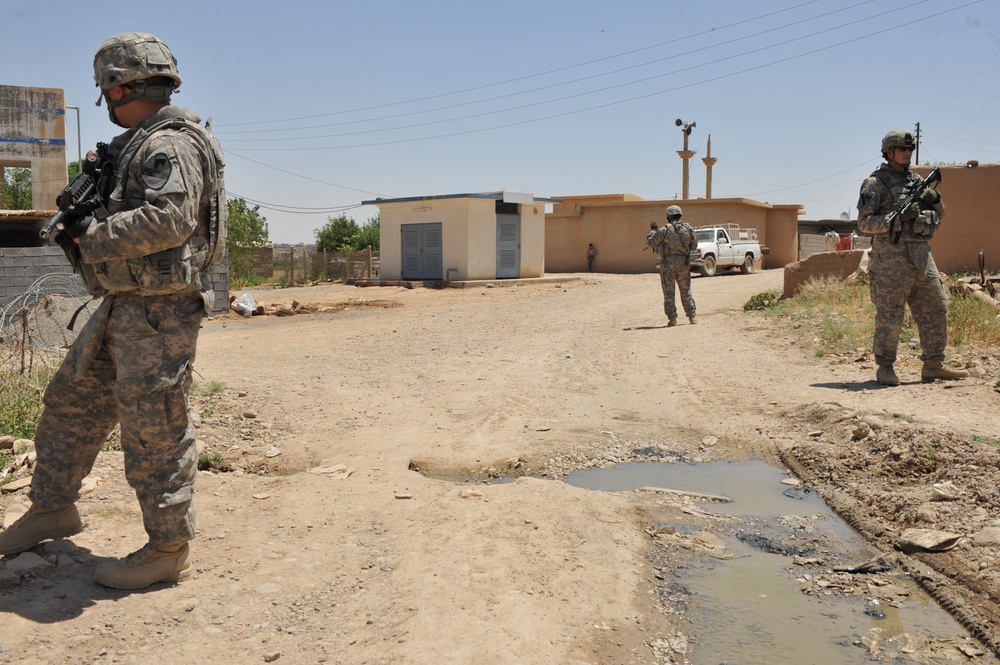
(304, 177)
(530, 76)
(621, 101)
(294, 210)
(577, 80)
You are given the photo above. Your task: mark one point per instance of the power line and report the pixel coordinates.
(293, 210)
(878, 33)
(572, 81)
(529, 76)
(968, 83)
(304, 177)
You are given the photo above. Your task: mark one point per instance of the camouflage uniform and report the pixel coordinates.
(903, 273)
(132, 363)
(673, 244)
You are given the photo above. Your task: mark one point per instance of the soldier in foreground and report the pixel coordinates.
(902, 269)
(673, 244)
(157, 229)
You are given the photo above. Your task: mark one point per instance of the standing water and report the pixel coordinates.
(759, 607)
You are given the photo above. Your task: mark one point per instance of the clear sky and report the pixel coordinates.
(322, 105)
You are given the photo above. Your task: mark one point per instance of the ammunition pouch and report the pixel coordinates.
(926, 224)
(171, 271)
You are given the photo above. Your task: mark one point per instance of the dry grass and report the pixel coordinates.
(835, 317)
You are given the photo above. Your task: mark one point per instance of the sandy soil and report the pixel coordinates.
(347, 517)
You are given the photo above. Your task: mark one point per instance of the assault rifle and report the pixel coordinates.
(80, 198)
(914, 196)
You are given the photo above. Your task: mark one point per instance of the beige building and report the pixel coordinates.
(617, 225)
(972, 221)
(460, 237)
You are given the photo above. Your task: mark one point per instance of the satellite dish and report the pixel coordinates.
(844, 217)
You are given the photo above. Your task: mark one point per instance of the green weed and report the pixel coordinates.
(211, 388)
(209, 460)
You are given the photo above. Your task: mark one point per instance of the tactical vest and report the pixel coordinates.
(181, 269)
(922, 227)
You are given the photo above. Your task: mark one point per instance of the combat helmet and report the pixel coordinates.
(674, 211)
(134, 58)
(895, 139)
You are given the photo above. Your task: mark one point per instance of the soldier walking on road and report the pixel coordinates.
(150, 259)
(904, 273)
(673, 244)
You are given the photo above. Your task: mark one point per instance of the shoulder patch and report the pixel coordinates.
(156, 171)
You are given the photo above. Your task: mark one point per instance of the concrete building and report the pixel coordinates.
(33, 136)
(617, 225)
(461, 237)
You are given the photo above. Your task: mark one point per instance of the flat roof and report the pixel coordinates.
(496, 196)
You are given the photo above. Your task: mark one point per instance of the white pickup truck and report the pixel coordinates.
(725, 246)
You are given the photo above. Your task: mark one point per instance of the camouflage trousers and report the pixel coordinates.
(131, 365)
(675, 269)
(905, 274)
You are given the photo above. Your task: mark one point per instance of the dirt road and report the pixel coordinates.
(319, 542)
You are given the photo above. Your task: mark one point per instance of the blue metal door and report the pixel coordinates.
(422, 258)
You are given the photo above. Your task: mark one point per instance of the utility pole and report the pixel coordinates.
(79, 151)
(685, 154)
(916, 155)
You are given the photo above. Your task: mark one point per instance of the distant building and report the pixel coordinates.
(459, 237)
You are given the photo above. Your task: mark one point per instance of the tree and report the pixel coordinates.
(336, 235)
(15, 190)
(369, 235)
(15, 186)
(246, 230)
(342, 234)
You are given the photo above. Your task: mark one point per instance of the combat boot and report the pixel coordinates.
(933, 371)
(886, 376)
(692, 320)
(37, 525)
(149, 565)
(672, 321)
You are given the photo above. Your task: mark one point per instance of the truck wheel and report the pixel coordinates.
(708, 269)
(747, 266)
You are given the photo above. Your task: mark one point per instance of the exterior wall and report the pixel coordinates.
(814, 243)
(469, 245)
(970, 223)
(837, 265)
(21, 266)
(533, 240)
(33, 135)
(450, 213)
(618, 224)
(263, 261)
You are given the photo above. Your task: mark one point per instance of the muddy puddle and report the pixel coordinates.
(774, 576)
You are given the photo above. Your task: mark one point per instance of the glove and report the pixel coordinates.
(64, 241)
(910, 212)
(930, 197)
(77, 227)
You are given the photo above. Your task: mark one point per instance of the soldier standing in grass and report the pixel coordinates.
(149, 258)
(673, 244)
(904, 273)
